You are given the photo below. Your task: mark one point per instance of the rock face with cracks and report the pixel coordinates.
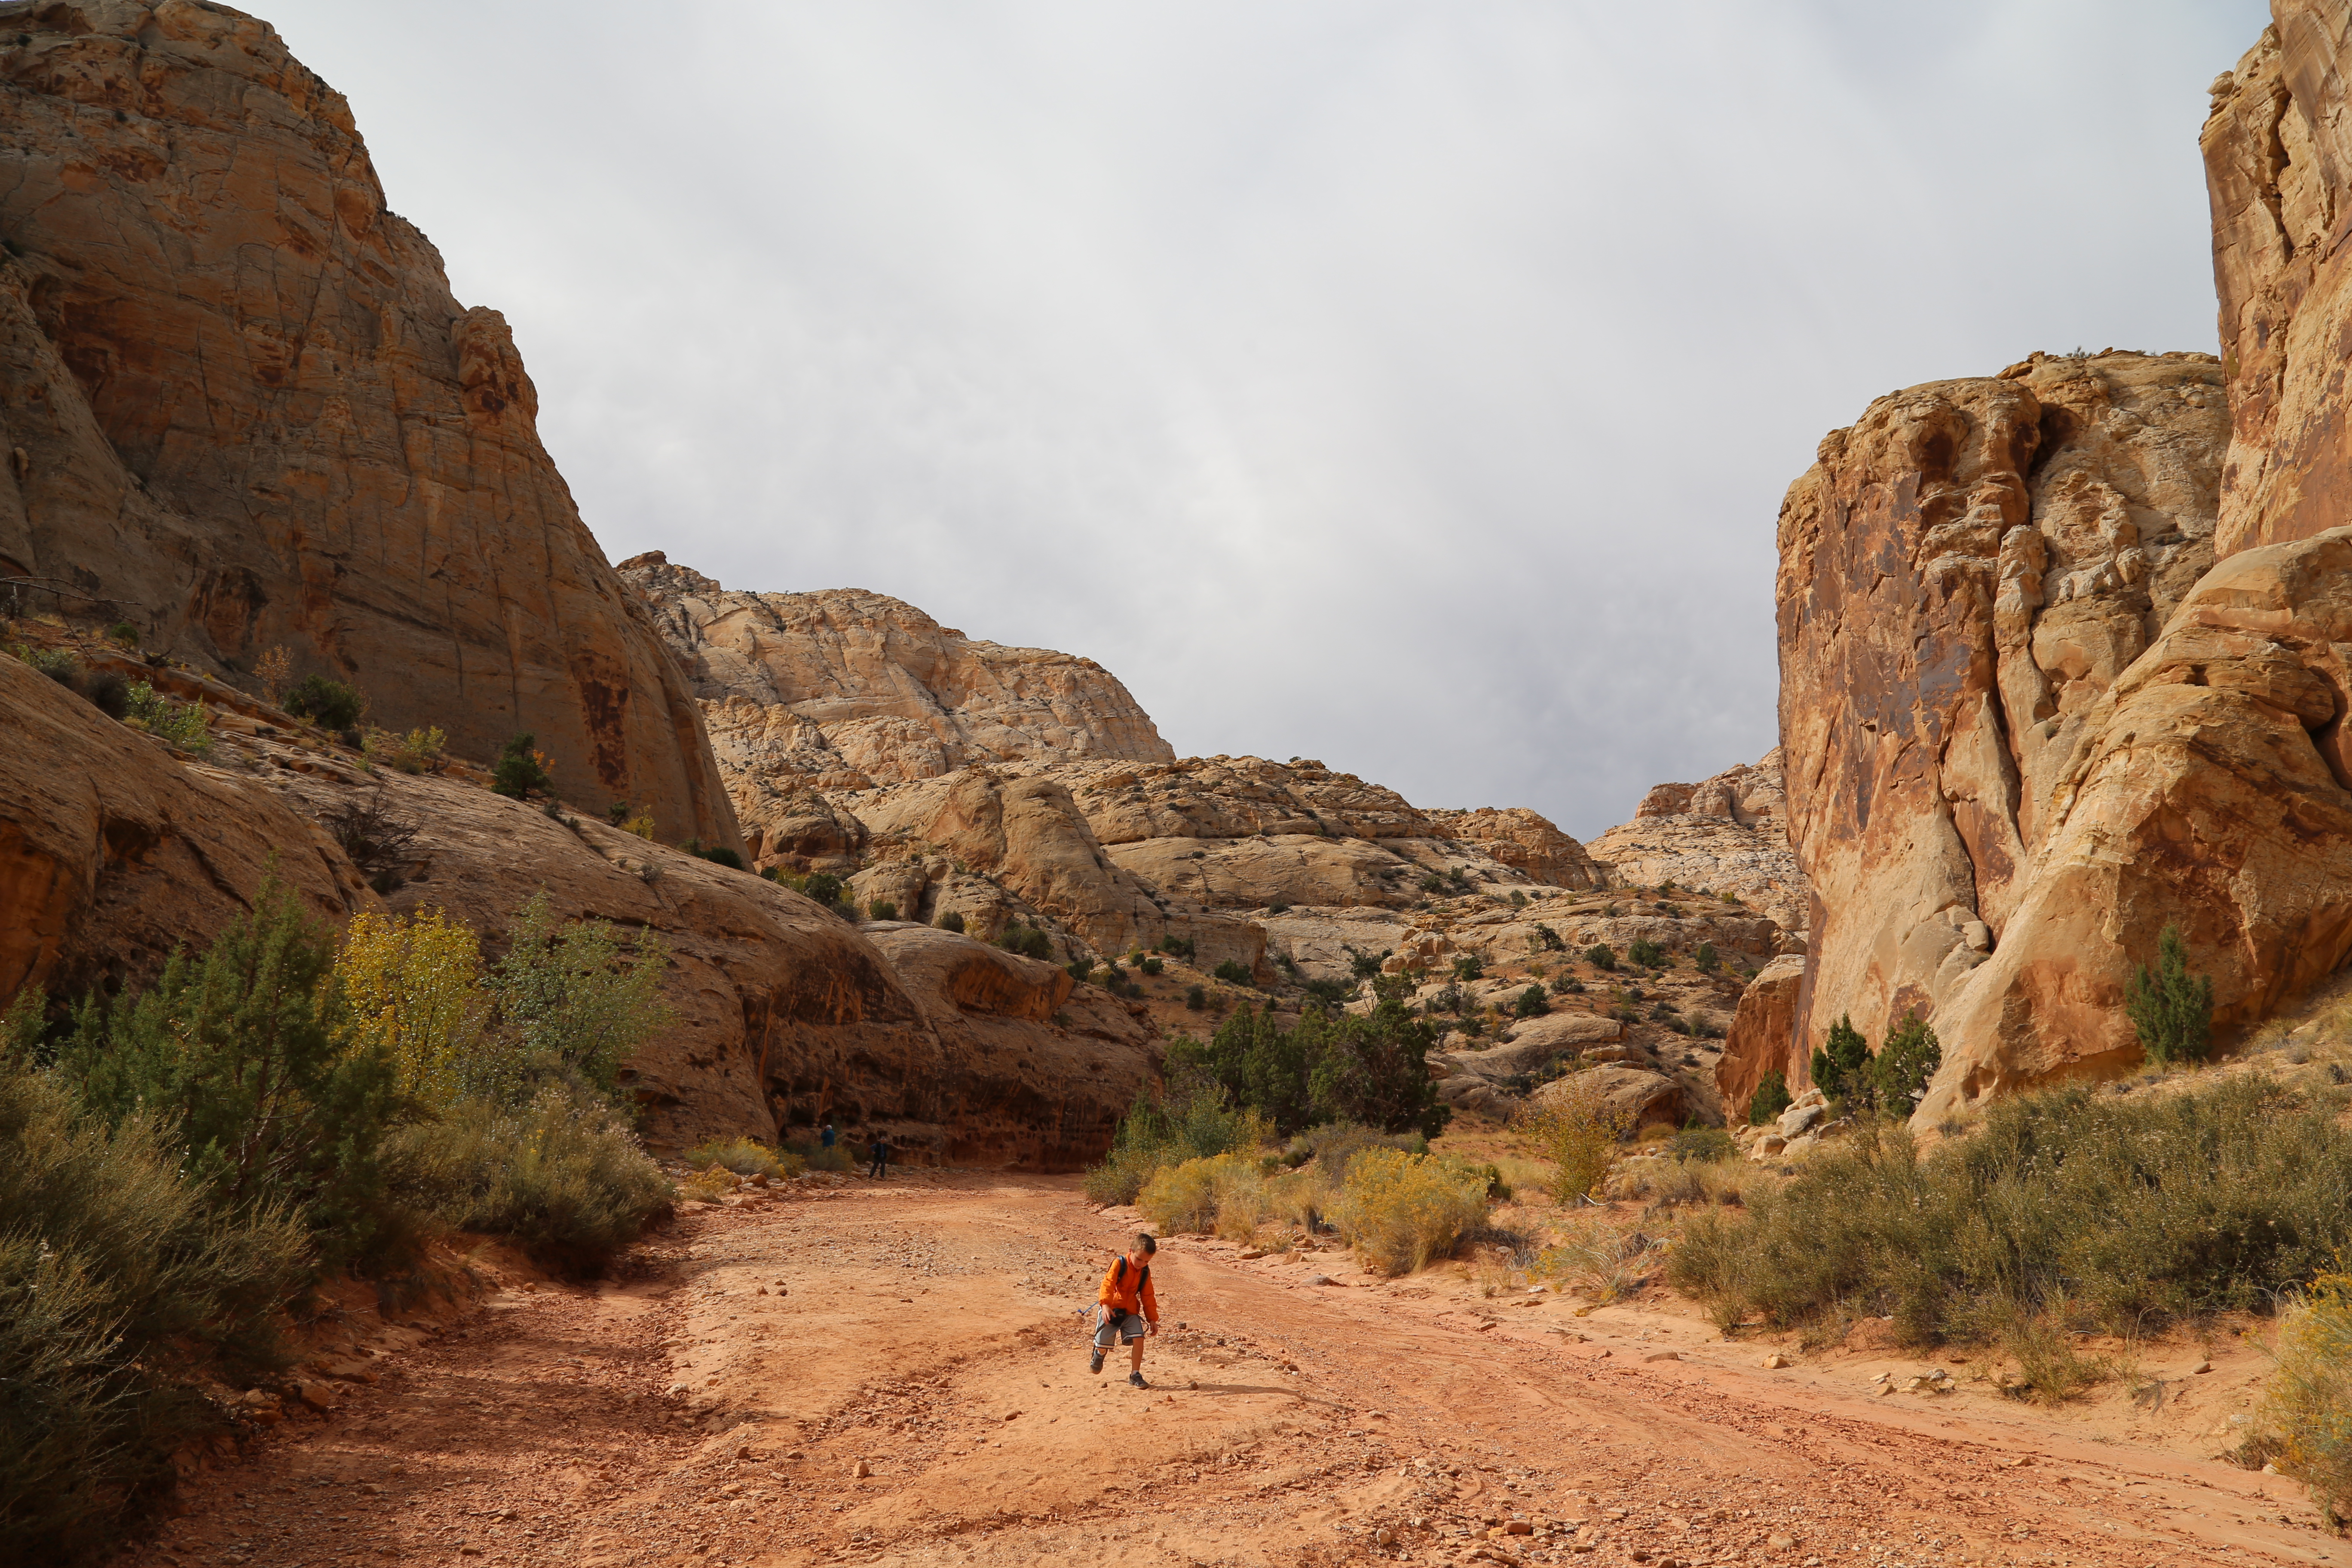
(2278, 172)
(242, 411)
(113, 850)
(1965, 574)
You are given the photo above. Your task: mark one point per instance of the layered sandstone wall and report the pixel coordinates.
(114, 850)
(241, 409)
(1964, 574)
(850, 690)
(2278, 167)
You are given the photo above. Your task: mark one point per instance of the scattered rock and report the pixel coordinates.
(1776, 1360)
(861, 1471)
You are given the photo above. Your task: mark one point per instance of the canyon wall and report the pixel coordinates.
(1964, 574)
(2278, 168)
(115, 849)
(241, 410)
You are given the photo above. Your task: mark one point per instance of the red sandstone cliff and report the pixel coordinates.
(240, 408)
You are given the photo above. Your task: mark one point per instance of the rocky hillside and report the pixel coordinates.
(843, 690)
(120, 847)
(242, 411)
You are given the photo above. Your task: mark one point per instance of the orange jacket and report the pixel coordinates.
(1119, 1289)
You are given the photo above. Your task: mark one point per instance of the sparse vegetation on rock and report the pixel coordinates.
(2068, 1209)
(2171, 1009)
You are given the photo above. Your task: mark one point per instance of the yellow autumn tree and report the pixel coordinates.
(414, 986)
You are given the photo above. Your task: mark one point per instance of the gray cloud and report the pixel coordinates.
(1408, 385)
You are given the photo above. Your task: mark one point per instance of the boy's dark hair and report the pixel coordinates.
(1143, 1239)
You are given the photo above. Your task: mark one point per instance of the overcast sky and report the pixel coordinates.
(1408, 385)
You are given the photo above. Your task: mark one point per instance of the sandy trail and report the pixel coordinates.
(715, 1407)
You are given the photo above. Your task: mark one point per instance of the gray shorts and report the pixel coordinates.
(1113, 1326)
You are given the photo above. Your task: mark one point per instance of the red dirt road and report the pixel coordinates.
(716, 1407)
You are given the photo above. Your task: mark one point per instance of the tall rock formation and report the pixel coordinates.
(240, 410)
(1964, 574)
(2278, 169)
(1728, 834)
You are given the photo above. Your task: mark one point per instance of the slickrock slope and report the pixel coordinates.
(1963, 574)
(1727, 835)
(860, 737)
(113, 850)
(242, 410)
(848, 690)
(2278, 158)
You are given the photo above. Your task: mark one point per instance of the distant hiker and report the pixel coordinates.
(1125, 1307)
(881, 1155)
(826, 1137)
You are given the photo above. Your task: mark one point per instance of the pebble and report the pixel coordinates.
(1776, 1360)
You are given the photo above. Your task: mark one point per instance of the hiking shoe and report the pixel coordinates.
(1094, 1362)
(1137, 1378)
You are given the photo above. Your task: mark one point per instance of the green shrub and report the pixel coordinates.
(181, 724)
(1705, 958)
(2118, 1211)
(1196, 998)
(239, 1058)
(814, 1155)
(745, 1157)
(123, 634)
(419, 751)
(719, 855)
(1371, 1068)
(1839, 1060)
(564, 1175)
(1899, 1073)
(951, 921)
(1548, 939)
(2171, 1009)
(2309, 1401)
(1083, 970)
(1770, 1098)
(1647, 954)
(1530, 1003)
(331, 704)
(520, 770)
(1469, 966)
(823, 886)
(1701, 1143)
(1361, 965)
(1566, 984)
(1177, 946)
(1600, 955)
(573, 1001)
(123, 1290)
(1193, 1122)
(882, 910)
(1150, 966)
(1331, 993)
(1233, 972)
(1399, 1211)
(1573, 1125)
(1224, 1194)
(1028, 942)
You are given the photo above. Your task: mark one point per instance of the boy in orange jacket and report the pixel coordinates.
(1124, 1305)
